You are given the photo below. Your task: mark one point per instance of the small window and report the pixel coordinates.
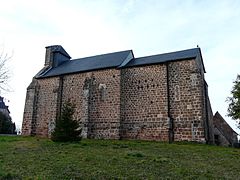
(177, 93)
(102, 89)
(194, 79)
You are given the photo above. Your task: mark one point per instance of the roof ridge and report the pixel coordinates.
(167, 53)
(101, 55)
(165, 57)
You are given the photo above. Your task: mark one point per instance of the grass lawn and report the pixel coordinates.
(33, 158)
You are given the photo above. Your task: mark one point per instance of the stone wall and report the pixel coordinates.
(73, 90)
(41, 107)
(97, 99)
(132, 103)
(29, 116)
(105, 104)
(46, 105)
(144, 103)
(186, 101)
(210, 119)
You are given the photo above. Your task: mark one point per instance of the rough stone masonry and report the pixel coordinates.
(117, 96)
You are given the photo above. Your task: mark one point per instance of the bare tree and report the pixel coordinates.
(5, 73)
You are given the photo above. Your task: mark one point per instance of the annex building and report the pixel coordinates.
(162, 97)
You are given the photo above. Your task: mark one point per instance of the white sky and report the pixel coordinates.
(148, 27)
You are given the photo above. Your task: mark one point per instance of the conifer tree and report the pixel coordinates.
(6, 125)
(66, 128)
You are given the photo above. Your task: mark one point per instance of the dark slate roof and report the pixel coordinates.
(111, 60)
(122, 59)
(166, 57)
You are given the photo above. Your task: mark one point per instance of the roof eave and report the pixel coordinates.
(83, 71)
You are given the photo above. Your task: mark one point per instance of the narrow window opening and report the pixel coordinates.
(102, 89)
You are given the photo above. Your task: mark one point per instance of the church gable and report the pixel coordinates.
(223, 133)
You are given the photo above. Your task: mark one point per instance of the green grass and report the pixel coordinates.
(36, 158)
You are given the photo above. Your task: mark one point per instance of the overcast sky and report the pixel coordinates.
(148, 27)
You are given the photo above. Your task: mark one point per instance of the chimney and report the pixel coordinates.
(55, 55)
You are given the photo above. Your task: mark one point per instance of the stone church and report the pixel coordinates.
(161, 97)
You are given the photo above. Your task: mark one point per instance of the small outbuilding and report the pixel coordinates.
(224, 135)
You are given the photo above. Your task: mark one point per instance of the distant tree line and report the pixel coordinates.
(6, 125)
